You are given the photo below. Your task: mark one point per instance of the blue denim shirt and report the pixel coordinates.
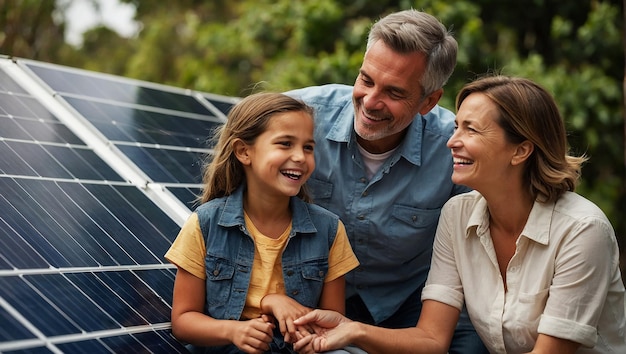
(390, 219)
(230, 253)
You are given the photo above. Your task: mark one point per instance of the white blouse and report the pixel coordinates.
(563, 280)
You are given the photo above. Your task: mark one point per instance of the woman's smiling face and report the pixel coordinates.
(481, 153)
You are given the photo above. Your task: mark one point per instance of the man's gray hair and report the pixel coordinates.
(415, 31)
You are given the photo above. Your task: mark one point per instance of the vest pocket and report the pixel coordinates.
(305, 282)
(219, 273)
(315, 272)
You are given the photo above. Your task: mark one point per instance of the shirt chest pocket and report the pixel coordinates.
(413, 229)
(415, 217)
(320, 191)
(522, 320)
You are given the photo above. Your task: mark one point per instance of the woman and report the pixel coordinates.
(536, 264)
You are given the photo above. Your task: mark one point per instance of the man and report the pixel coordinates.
(383, 166)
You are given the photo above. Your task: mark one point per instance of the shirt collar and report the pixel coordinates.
(411, 147)
(537, 226)
(232, 213)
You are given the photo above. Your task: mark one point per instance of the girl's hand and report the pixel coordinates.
(285, 310)
(253, 336)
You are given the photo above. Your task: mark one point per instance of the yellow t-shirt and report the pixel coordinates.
(267, 270)
(188, 252)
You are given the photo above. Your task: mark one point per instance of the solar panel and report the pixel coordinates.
(97, 174)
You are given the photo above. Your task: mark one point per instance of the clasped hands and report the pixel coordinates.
(310, 331)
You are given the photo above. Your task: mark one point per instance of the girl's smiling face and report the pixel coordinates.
(281, 159)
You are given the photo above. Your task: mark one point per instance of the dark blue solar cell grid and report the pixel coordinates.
(33, 129)
(93, 346)
(87, 84)
(71, 303)
(160, 342)
(224, 107)
(49, 132)
(106, 299)
(155, 342)
(82, 163)
(22, 106)
(31, 121)
(74, 303)
(166, 166)
(10, 129)
(77, 225)
(37, 310)
(12, 163)
(161, 281)
(186, 195)
(15, 251)
(15, 331)
(129, 124)
(150, 226)
(137, 295)
(29, 156)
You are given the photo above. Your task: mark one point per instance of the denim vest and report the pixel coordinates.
(230, 253)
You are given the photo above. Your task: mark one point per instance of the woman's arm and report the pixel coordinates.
(191, 325)
(432, 334)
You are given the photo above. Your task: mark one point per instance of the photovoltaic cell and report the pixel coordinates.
(14, 331)
(90, 165)
(187, 195)
(113, 89)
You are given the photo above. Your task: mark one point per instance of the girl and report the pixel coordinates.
(255, 253)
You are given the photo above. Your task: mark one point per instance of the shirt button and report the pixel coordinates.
(361, 217)
(365, 194)
(295, 292)
(321, 273)
(290, 272)
(216, 272)
(362, 180)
